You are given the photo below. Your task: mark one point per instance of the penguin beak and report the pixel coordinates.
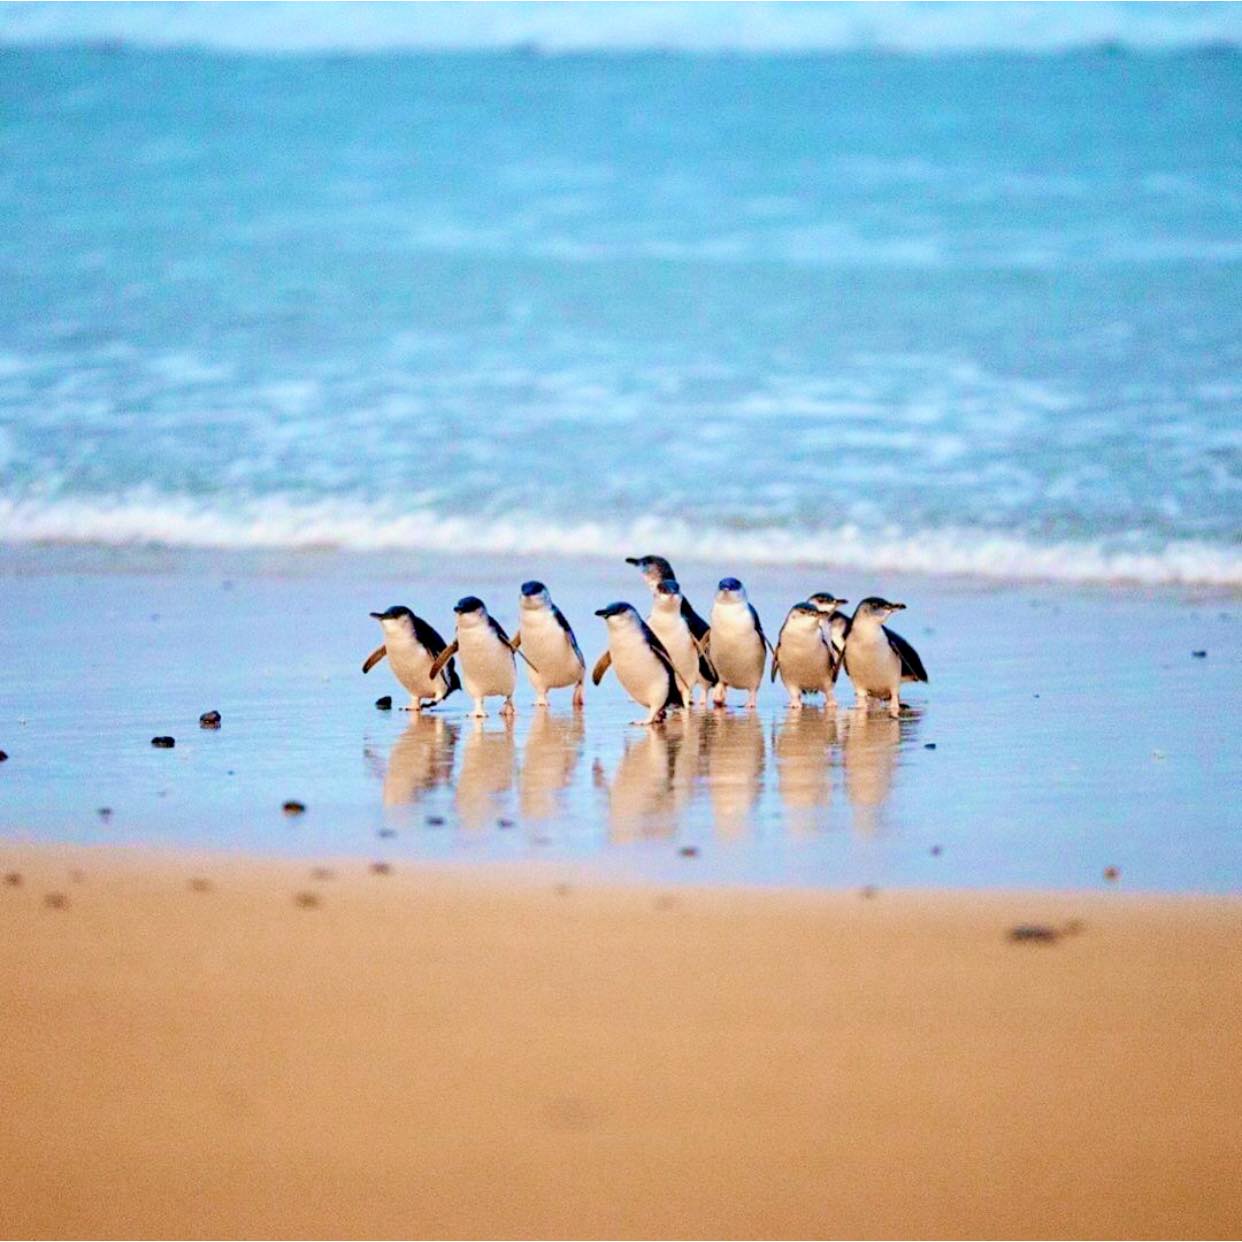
(897, 607)
(601, 612)
(379, 616)
(630, 560)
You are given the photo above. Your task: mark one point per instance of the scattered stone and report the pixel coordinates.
(209, 720)
(55, 901)
(306, 900)
(1073, 927)
(386, 832)
(937, 850)
(13, 879)
(1037, 696)
(384, 702)
(164, 743)
(1033, 933)
(868, 891)
(322, 873)
(104, 813)
(199, 885)
(504, 823)
(562, 890)
(3, 756)
(689, 851)
(381, 868)
(1111, 873)
(1157, 754)
(929, 745)
(1199, 655)
(293, 807)
(435, 821)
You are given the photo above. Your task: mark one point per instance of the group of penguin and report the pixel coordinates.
(660, 661)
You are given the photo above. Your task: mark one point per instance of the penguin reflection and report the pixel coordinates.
(869, 752)
(732, 757)
(420, 760)
(487, 764)
(553, 748)
(652, 783)
(803, 748)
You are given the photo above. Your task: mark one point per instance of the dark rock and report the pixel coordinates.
(164, 743)
(381, 868)
(386, 832)
(1199, 655)
(689, 851)
(322, 873)
(306, 900)
(929, 745)
(3, 756)
(293, 807)
(435, 821)
(209, 720)
(13, 879)
(384, 702)
(868, 891)
(937, 850)
(504, 823)
(200, 885)
(55, 901)
(1112, 873)
(104, 813)
(1033, 933)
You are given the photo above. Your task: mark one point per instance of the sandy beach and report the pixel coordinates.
(200, 1047)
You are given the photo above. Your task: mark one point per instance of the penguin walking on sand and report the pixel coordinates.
(804, 657)
(876, 659)
(642, 664)
(836, 623)
(655, 569)
(546, 637)
(486, 652)
(738, 646)
(668, 622)
(412, 647)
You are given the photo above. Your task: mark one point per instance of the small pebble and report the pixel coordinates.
(1033, 933)
(937, 850)
(209, 720)
(55, 901)
(384, 702)
(868, 890)
(200, 885)
(104, 813)
(435, 821)
(293, 807)
(929, 745)
(665, 901)
(689, 851)
(504, 823)
(1073, 927)
(381, 868)
(1199, 655)
(164, 743)
(562, 890)
(13, 878)
(306, 900)
(322, 873)
(386, 832)
(1111, 873)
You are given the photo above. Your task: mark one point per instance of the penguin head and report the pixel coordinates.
(470, 610)
(876, 608)
(619, 613)
(826, 601)
(667, 595)
(654, 569)
(730, 591)
(398, 617)
(805, 616)
(534, 595)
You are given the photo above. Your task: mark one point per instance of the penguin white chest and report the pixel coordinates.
(803, 658)
(643, 674)
(411, 664)
(548, 648)
(873, 665)
(736, 649)
(486, 663)
(672, 630)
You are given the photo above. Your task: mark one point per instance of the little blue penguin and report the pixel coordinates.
(803, 656)
(486, 651)
(669, 624)
(835, 622)
(876, 659)
(547, 639)
(738, 646)
(643, 666)
(412, 645)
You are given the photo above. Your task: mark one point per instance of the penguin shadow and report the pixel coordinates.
(802, 748)
(651, 785)
(488, 762)
(421, 760)
(870, 752)
(550, 758)
(732, 755)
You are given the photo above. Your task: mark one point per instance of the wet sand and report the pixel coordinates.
(211, 1046)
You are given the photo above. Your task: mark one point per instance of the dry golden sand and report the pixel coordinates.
(279, 1053)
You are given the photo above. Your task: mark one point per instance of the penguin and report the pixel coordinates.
(738, 646)
(655, 569)
(876, 659)
(835, 623)
(643, 666)
(487, 664)
(804, 656)
(668, 623)
(412, 647)
(543, 632)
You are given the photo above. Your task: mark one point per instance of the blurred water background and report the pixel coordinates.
(944, 289)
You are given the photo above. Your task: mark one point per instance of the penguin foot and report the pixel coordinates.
(752, 701)
(542, 701)
(579, 696)
(507, 709)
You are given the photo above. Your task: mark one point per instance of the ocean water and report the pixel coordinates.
(973, 312)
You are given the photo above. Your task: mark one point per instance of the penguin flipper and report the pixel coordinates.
(707, 670)
(601, 667)
(442, 659)
(911, 666)
(374, 658)
(776, 665)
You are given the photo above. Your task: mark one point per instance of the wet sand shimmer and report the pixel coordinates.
(194, 1047)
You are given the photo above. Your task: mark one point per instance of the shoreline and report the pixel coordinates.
(199, 1047)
